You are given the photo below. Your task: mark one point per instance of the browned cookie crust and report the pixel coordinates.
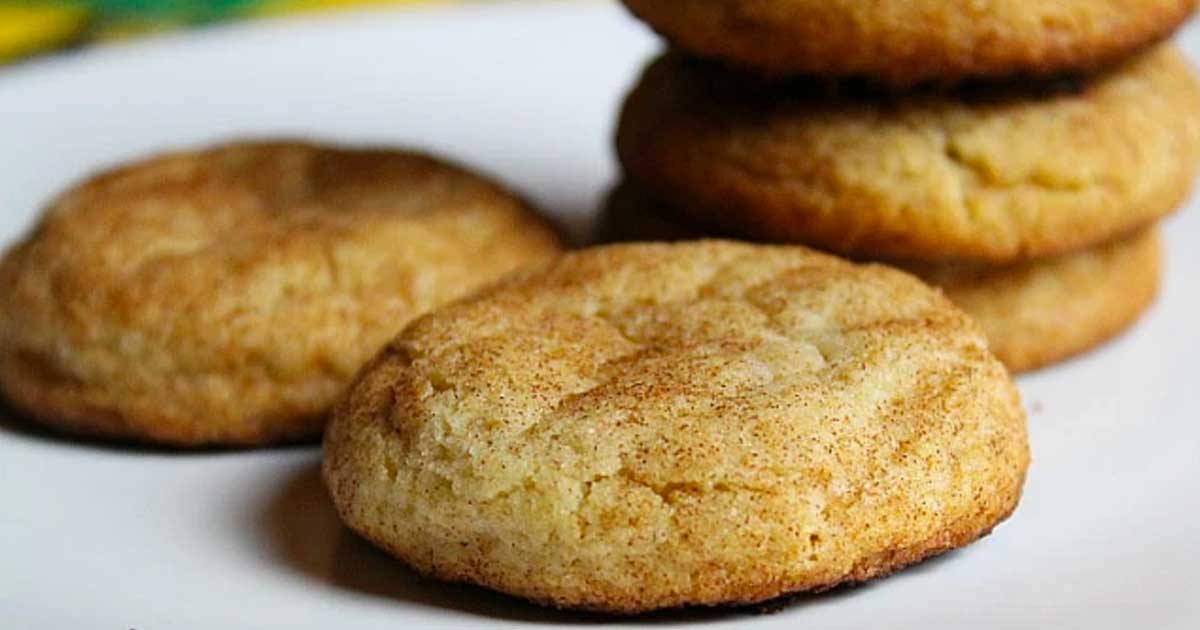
(990, 175)
(228, 296)
(650, 426)
(903, 42)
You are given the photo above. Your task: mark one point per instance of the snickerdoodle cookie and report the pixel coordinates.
(1034, 313)
(656, 425)
(227, 296)
(1044, 311)
(908, 41)
(990, 174)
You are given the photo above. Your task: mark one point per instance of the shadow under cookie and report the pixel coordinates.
(300, 532)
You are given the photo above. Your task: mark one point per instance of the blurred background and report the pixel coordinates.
(33, 27)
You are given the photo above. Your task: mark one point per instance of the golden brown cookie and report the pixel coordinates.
(647, 426)
(903, 42)
(228, 296)
(1034, 313)
(1042, 312)
(989, 174)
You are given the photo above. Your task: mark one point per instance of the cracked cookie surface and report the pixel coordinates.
(227, 296)
(991, 174)
(903, 42)
(1034, 313)
(646, 426)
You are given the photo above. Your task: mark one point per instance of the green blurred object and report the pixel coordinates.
(190, 8)
(112, 19)
(31, 26)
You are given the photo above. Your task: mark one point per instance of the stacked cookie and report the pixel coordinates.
(1015, 154)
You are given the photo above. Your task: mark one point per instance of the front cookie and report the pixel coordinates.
(650, 426)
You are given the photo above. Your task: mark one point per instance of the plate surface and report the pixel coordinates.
(102, 537)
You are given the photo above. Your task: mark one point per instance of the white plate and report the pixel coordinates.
(101, 537)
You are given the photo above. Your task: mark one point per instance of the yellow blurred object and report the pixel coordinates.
(26, 29)
(279, 7)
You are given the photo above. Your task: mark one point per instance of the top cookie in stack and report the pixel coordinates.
(904, 42)
(1016, 138)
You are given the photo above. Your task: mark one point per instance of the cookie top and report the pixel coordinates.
(903, 42)
(989, 174)
(227, 296)
(646, 426)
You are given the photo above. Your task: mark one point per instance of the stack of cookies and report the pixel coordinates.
(1015, 154)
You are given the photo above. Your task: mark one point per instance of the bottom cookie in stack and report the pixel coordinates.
(1034, 313)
